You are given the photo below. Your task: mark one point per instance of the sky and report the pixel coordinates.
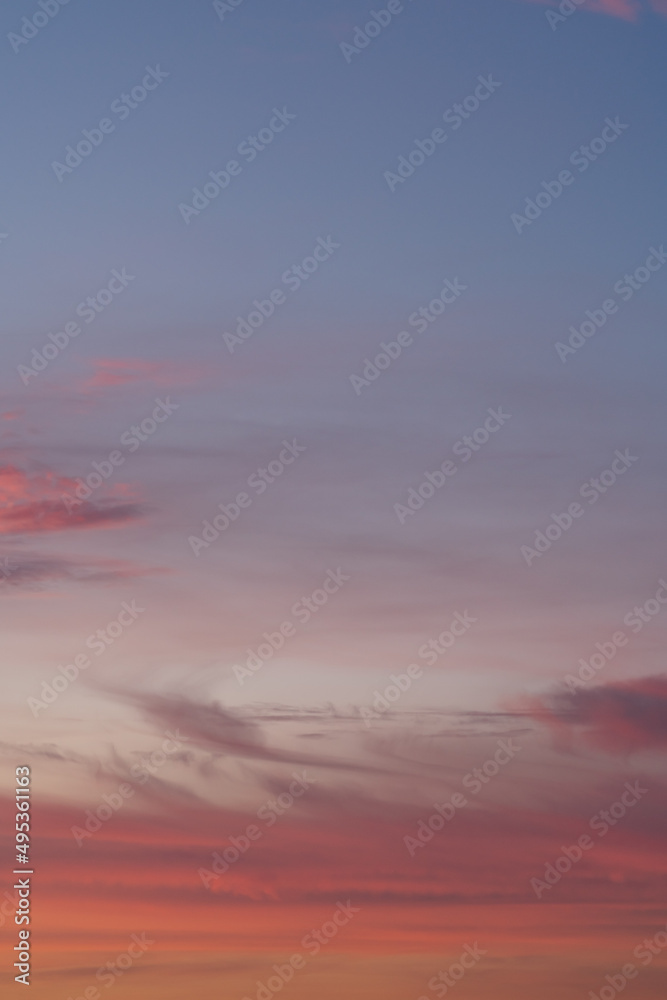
(331, 491)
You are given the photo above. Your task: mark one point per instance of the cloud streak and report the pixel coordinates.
(627, 10)
(114, 373)
(33, 572)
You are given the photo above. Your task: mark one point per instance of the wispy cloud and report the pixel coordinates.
(627, 10)
(109, 373)
(35, 572)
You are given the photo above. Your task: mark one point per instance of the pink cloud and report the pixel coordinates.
(627, 10)
(33, 503)
(111, 372)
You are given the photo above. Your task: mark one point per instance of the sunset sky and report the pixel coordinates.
(338, 479)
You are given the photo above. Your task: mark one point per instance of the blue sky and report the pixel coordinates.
(323, 178)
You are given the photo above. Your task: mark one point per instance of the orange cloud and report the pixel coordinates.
(470, 882)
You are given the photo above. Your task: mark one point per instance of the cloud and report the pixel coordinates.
(614, 717)
(33, 504)
(627, 10)
(31, 572)
(51, 515)
(344, 838)
(48, 750)
(113, 372)
(219, 730)
(337, 841)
